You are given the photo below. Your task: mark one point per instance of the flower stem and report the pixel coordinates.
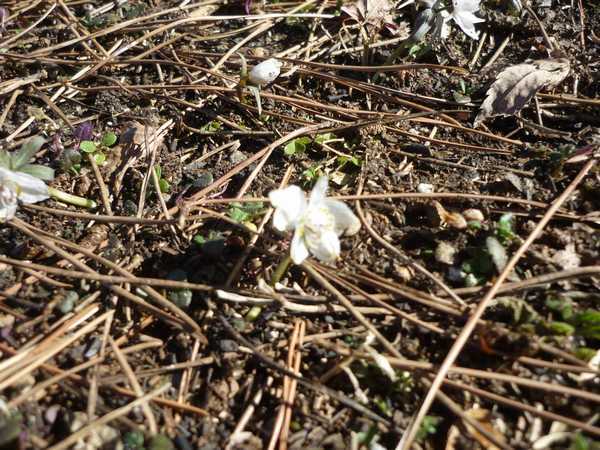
(281, 270)
(243, 78)
(71, 199)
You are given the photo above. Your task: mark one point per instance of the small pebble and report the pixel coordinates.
(425, 188)
(237, 157)
(67, 304)
(203, 179)
(444, 253)
(228, 345)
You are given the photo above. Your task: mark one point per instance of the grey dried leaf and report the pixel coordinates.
(376, 13)
(515, 86)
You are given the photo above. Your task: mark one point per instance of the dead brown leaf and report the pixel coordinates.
(374, 13)
(453, 219)
(515, 86)
(482, 416)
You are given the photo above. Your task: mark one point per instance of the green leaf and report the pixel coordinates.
(164, 186)
(109, 139)
(343, 160)
(589, 317)
(158, 171)
(585, 353)
(38, 171)
(504, 229)
(134, 440)
(199, 239)
(587, 323)
(160, 442)
(100, 158)
(238, 215)
(428, 426)
(211, 126)
(561, 306)
(4, 159)
(311, 173)
(296, 146)
(244, 212)
(87, 146)
(579, 442)
(320, 138)
(561, 328)
(414, 50)
(26, 152)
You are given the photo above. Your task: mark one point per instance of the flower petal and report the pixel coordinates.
(298, 250)
(8, 203)
(345, 220)
(466, 5)
(290, 204)
(324, 246)
(466, 21)
(7, 212)
(29, 189)
(317, 195)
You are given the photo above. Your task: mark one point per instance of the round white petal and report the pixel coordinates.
(290, 204)
(265, 72)
(317, 195)
(324, 246)
(345, 220)
(298, 249)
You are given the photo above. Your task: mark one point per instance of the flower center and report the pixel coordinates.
(318, 220)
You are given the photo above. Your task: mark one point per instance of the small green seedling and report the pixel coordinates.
(245, 212)
(428, 427)
(297, 146)
(98, 149)
(163, 184)
(211, 127)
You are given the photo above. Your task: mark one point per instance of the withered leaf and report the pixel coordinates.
(515, 86)
(374, 13)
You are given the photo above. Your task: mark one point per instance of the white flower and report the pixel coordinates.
(464, 17)
(8, 203)
(265, 72)
(317, 221)
(19, 185)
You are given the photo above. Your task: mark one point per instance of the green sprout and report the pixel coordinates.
(98, 149)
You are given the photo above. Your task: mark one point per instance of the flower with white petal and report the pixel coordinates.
(265, 72)
(8, 203)
(463, 15)
(318, 221)
(20, 186)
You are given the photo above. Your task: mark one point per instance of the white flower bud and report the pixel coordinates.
(265, 72)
